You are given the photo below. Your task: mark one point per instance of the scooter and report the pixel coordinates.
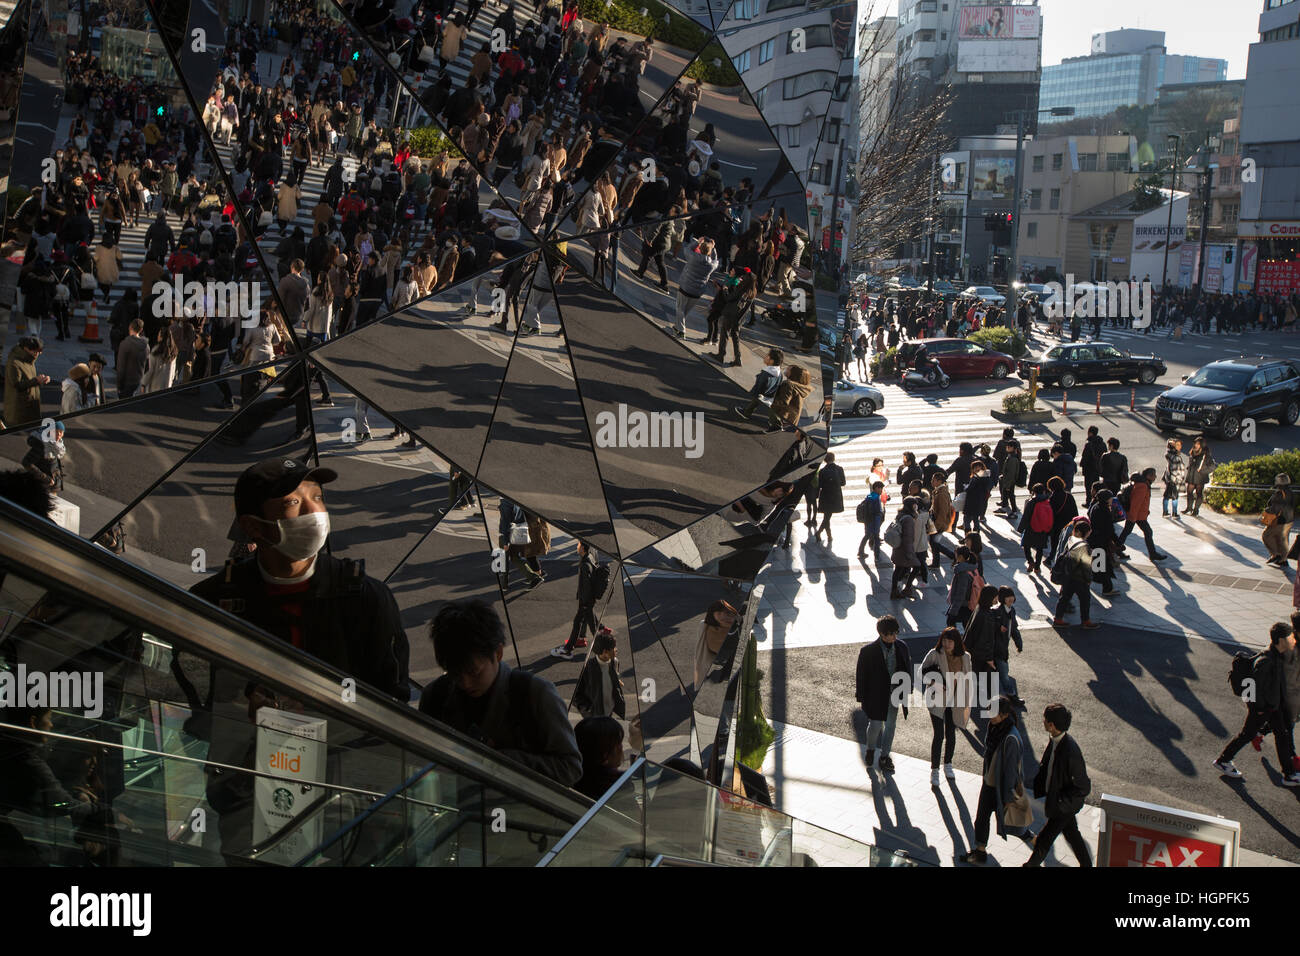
(921, 378)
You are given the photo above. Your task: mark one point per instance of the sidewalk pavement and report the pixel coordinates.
(823, 780)
(1213, 586)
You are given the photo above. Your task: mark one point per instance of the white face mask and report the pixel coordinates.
(303, 536)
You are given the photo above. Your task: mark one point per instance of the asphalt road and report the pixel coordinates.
(1139, 438)
(1151, 711)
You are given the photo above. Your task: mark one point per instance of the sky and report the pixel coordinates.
(1192, 27)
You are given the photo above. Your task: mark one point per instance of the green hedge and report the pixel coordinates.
(1260, 470)
(885, 364)
(702, 69)
(428, 141)
(1018, 402)
(680, 31)
(753, 734)
(1001, 339)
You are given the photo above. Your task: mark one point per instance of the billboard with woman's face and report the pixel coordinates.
(998, 22)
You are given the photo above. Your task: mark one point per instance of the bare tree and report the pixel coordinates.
(902, 131)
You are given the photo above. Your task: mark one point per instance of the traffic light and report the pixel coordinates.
(159, 111)
(356, 55)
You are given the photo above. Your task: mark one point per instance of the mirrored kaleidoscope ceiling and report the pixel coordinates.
(447, 259)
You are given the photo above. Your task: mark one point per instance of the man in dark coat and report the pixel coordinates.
(1114, 466)
(1102, 537)
(1062, 781)
(881, 691)
(1090, 463)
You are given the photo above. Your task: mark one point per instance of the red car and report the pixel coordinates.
(962, 359)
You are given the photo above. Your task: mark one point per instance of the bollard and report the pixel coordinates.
(1098, 401)
(1132, 398)
(1065, 403)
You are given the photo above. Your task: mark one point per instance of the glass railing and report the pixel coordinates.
(654, 816)
(167, 733)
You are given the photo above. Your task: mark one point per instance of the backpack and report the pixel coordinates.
(600, 581)
(1243, 670)
(1022, 475)
(1061, 566)
(976, 586)
(1042, 517)
(893, 534)
(1125, 497)
(867, 510)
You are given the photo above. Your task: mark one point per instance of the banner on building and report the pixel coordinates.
(993, 177)
(1001, 21)
(1249, 256)
(1278, 275)
(997, 56)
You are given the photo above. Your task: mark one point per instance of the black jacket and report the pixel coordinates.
(1093, 450)
(874, 683)
(525, 720)
(981, 638)
(1008, 630)
(587, 694)
(349, 621)
(1114, 469)
(1065, 792)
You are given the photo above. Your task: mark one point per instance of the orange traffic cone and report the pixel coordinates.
(92, 325)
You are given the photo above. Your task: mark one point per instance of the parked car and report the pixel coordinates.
(1068, 365)
(961, 358)
(854, 398)
(1218, 397)
(946, 289)
(985, 292)
(1031, 288)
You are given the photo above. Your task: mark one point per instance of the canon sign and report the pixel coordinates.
(1265, 228)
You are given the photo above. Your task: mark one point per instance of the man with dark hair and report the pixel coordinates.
(1062, 781)
(1114, 466)
(1093, 450)
(27, 491)
(881, 692)
(513, 711)
(1273, 705)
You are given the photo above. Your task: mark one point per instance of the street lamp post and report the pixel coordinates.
(1013, 267)
(1174, 140)
(1208, 172)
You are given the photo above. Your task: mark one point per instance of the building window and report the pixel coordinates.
(833, 132)
(1088, 162)
(1032, 230)
(815, 174)
(1054, 202)
(813, 36)
(784, 4)
(805, 83)
(766, 50)
(742, 62)
(1038, 164)
(792, 136)
(1057, 159)
(1117, 162)
(745, 9)
(759, 97)
(1035, 199)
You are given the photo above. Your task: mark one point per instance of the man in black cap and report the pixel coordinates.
(292, 588)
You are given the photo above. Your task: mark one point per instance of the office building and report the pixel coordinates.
(1123, 68)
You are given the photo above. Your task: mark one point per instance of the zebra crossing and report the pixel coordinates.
(922, 424)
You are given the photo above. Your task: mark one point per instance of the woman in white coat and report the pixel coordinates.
(949, 692)
(717, 624)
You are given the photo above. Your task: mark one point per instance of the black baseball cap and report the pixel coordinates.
(274, 478)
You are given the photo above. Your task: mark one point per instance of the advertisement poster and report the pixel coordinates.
(998, 22)
(993, 177)
(1213, 281)
(1278, 275)
(1249, 257)
(1187, 266)
(1133, 845)
(293, 747)
(743, 830)
(997, 56)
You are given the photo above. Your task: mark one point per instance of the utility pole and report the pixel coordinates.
(1013, 267)
(929, 220)
(1175, 139)
(832, 259)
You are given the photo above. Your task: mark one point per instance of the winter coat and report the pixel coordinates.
(108, 263)
(978, 490)
(1007, 632)
(1010, 472)
(942, 512)
(587, 698)
(830, 489)
(539, 537)
(1175, 475)
(695, 276)
(1199, 467)
(875, 685)
(787, 406)
(1139, 503)
(981, 638)
(22, 388)
(904, 556)
(1005, 764)
(1078, 558)
(936, 661)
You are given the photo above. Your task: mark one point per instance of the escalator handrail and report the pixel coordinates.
(58, 557)
(596, 807)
